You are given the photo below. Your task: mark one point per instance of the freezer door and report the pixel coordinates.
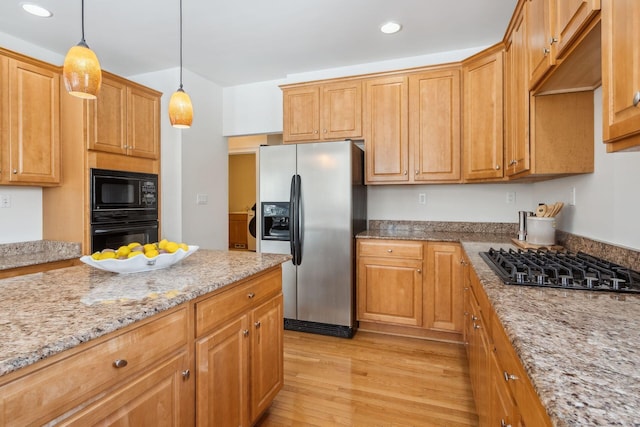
(289, 288)
(325, 272)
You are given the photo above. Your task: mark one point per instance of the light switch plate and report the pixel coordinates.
(5, 201)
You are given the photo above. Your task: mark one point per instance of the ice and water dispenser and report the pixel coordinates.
(275, 220)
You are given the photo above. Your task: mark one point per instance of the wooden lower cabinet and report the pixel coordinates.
(223, 369)
(410, 288)
(239, 360)
(503, 393)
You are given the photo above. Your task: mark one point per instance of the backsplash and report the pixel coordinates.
(626, 257)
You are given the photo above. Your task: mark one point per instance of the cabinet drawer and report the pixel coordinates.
(533, 413)
(51, 391)
(390, 249)
(220, 307)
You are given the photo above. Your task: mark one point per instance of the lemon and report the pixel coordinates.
(96, 255)
(107, 255)
(149, 247)
(162, 243)
(184, 246)
(134, 253)
(133, 245)
(152, 253)
(171, 247)
(123, 251)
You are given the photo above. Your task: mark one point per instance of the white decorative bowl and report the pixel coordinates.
(139, 263)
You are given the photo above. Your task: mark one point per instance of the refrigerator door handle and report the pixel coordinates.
(297, 221)
(292, 216)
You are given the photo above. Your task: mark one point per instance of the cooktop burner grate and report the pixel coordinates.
(565, 270)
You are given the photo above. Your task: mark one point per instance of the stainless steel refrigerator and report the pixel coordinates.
(312, 204)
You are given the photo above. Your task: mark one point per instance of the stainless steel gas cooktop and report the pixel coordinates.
(565, 270)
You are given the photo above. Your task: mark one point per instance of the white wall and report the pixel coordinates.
(607, 201)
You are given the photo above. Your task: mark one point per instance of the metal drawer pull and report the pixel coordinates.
(389, 250)
(636, 99)
(245, 333)
(508, 376)
(186, 374)
(257, 324)
(419, 270)
(250, 295)
(504, 424)
(120, 363)
(474, 318)
(476, 326)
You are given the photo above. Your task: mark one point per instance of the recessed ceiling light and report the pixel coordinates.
(36, 10)
(390, 27)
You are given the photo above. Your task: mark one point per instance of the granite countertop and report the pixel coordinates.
(580, 348)
(22, 254)
(43, 314)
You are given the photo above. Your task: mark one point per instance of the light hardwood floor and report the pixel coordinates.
(372, 380)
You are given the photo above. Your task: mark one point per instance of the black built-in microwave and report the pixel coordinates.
(123, 196)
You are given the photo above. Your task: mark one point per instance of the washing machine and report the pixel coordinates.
(251, 229)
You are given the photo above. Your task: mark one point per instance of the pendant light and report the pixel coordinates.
(81, 70)
(180, 108)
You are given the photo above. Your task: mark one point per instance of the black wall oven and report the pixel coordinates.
(124, 208)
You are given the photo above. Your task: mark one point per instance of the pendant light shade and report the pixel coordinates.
(81, 70)
(180, 107)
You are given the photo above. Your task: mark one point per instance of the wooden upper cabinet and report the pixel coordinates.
(483, 115)
(33, 108)
(107, 123)
(386, 129)
(301, 114)
(434, 125)
(125, 119)
(571, 17)
(539, 17)
(621, 74)
(322, 112)
(516, 94)
(341, 110)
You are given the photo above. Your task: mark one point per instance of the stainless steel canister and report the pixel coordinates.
(522, 224)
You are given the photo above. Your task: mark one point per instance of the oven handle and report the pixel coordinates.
(107, 230)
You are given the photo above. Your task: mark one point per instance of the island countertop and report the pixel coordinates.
(580, 348)
(43, 314)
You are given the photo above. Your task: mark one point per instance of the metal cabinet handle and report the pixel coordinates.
(513, 162)
(258, 324)
(508, 376)
(245, 333)
(545, 50)
(497, 167)
(553, 40)
(250, 295)
(186, 374)
(463, 262)
(636, 99)
(15, 171)
(474, 318)
(417, 171)
(503, 423)
(389, 250)
(324, 130)
(120, 363)
(419, 271)
(476, 326)
(405, 172)
(315, 131)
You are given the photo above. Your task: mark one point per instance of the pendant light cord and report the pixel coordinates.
(83, 41)
(180, 44)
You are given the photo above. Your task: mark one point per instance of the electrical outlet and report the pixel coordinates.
(511, 197)
(5, 201)
(202, 199)
(422, 199)
(572, 196)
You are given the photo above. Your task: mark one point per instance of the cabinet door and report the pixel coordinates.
(443, 294)
(154, 398)
(301, 114)
(143, 111)
(107, 119)
(4, 117)
(571, 16)
(341, 110)
(222, 376)
(434, 125)
(483, 119)
(385, 129)
(517, 143)
(620, 71)
(540, 49)
(267, 369)
(34, 133)
(503, 411)
(479, 363)
(390, 291)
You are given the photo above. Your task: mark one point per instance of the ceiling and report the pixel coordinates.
(243, 41)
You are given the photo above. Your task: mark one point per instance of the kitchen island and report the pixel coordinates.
(52, 318)
(579, 348)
